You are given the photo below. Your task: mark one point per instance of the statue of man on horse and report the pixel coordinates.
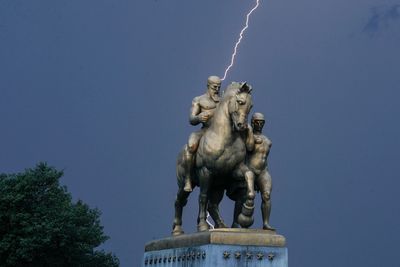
(215, 155)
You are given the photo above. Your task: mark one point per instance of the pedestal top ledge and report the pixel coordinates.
(224, 236)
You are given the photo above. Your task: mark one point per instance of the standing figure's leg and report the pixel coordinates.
(204, 183)
(180, 202)
(264, 183)
(215, 198)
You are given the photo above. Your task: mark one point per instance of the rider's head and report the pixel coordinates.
(213, 85)
(257, 121)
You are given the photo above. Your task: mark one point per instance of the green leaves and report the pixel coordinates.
(41, 226)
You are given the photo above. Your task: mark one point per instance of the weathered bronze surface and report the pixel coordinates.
(226, 154)
(201, 112)
(245, 237)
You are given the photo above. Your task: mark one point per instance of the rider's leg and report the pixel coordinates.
(190, 150)
(188, 167)
(264, 182)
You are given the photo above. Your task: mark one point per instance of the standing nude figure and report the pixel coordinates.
(257, 163)
(202, 110)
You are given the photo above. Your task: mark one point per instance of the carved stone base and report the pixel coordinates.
(219, 247)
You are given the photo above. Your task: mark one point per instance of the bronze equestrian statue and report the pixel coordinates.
(219, 157)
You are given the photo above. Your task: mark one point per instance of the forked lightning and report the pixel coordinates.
(240, 39)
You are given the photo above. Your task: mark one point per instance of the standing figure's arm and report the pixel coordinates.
(269, 145)
(249, 140)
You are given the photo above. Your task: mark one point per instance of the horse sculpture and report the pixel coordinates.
(219, 158)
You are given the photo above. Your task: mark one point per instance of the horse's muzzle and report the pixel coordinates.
(240, 126)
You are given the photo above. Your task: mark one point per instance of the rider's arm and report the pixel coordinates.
(194, 112)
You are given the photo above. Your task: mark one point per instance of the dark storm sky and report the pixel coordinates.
(102, 89)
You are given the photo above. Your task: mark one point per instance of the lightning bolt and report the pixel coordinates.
(240, 39)
(208, 222)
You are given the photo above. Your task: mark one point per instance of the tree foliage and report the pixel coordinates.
(40, 225)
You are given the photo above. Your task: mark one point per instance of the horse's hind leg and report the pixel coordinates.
(180, 202)
(213, 207)
(204, 181)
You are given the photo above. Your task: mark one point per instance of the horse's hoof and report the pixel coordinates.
(202, 227)
(245, 221)
(235, 225)
(221, 225)
(178, 230)
(247, 210)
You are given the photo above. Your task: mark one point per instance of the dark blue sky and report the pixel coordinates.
(102, 89)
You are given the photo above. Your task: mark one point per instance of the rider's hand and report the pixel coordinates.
(204, 116)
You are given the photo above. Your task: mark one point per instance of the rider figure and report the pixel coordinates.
(202, 110)
(257, 163)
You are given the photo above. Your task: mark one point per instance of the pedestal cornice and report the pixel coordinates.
(224, 236)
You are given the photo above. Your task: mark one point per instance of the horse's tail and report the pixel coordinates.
(180, 168)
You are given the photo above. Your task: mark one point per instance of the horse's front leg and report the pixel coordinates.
(215, 197)
(204, 182)
(238, 209)
(245, 218)
(251, 195)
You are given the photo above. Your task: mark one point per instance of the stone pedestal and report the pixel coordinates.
(218, 247)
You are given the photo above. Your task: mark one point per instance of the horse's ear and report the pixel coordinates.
(245, 88)
(250, 89)
(242, 87)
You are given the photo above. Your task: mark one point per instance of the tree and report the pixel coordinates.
(41, 226)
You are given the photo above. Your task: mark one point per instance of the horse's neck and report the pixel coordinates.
(221, 124)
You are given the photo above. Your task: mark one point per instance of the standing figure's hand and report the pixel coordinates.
(258, 139)
(249, 129)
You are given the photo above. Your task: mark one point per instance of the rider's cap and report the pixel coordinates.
(258, 116)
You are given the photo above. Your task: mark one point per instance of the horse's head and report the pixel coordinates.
(239, 105)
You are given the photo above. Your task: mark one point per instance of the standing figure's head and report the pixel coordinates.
(257, 122)
(213, 85)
